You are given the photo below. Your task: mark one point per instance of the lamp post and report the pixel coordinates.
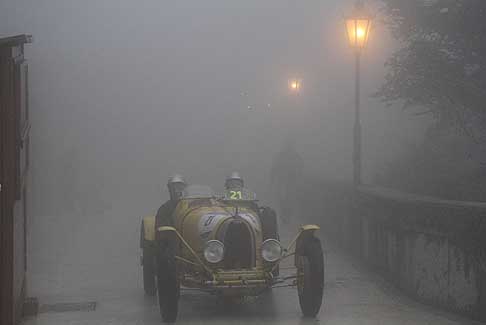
(358, 26)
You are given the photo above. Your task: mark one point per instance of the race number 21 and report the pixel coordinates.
(235, 195)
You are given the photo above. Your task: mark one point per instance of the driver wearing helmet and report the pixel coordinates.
(268, 216)
(176, 186)
(235, 190)
(234, 182)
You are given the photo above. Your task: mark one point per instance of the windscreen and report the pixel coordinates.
(198, 192)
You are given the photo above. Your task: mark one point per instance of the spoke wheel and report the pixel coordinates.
(310, 277)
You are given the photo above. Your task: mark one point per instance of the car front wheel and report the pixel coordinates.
(310, 277)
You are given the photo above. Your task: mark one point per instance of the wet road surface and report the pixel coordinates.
(77, 260)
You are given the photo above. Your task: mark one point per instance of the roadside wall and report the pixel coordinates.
(434, 250)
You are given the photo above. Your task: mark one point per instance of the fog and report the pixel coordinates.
(124, 94)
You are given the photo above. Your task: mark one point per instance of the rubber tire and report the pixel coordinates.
(270, 229)
(168, 287)
(311, 291)
(148, 265)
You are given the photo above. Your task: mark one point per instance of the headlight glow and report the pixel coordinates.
(214, 251)
(271, 250)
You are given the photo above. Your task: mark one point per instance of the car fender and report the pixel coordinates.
(148, 229)
(306, 231)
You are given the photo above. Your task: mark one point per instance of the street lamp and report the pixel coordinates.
(358, 26)
(295, 85)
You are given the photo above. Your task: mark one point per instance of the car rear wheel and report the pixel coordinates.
(310, 277)
(148, 265)
(168, 287)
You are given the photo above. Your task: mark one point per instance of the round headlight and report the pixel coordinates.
(214, 251)
(271, 250)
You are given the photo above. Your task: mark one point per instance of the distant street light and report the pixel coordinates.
(358, 26)
(295, 85)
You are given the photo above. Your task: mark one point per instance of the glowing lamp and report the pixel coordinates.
(295, 85)
(358, 26)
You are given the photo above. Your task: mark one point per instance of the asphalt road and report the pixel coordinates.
(96, 258)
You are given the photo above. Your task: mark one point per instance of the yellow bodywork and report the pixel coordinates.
(189, 217)
(310, 227)
(149, 228)
(187, 222)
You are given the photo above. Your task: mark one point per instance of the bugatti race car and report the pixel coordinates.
(229, 246)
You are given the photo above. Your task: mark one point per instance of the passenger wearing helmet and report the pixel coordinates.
(176, 186)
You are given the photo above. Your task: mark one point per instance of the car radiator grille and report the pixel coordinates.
(239, 248)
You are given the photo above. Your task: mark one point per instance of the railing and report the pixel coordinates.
(433, 249)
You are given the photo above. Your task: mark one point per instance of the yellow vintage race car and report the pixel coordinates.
(229, 246)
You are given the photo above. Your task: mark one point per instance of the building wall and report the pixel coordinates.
(7, 181)
(14, 148)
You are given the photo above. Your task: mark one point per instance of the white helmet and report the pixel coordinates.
(176, 178)
(234, 181)
(176, 185)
